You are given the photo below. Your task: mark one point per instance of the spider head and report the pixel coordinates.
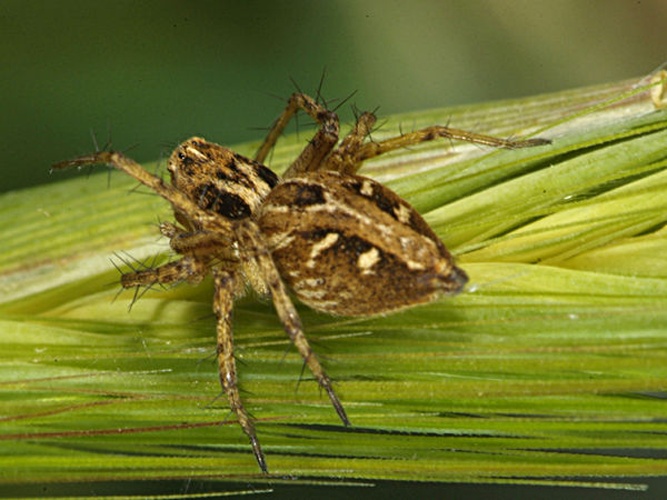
(218, 179)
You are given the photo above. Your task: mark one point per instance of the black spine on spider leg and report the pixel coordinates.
(135, 266)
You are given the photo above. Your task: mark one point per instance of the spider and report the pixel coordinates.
(341, 243)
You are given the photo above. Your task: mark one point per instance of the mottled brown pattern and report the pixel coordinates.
(344, 244)
(411, 266)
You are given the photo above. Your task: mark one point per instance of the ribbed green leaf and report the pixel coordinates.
(552, 365)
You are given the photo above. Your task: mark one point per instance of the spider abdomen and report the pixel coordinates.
(347, 245)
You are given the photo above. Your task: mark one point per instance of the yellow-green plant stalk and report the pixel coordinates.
(552, 364)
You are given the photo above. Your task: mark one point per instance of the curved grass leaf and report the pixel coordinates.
(551, 366)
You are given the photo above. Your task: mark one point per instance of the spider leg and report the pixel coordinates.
(223, 303)
(251, 238)
(186, 269)
(343, 158)
(179, 200)
(203, 243)
(318, 147)
(200, 243)
(348, 157)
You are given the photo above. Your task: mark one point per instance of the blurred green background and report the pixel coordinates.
(156, 72)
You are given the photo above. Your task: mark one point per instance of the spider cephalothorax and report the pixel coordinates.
(342, 243)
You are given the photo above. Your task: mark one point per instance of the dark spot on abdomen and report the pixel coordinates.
(309, 194)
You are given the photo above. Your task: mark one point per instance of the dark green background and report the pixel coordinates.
(157, 72)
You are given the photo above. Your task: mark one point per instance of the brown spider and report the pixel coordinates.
(341, 243)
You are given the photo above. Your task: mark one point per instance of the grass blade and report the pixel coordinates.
(551, 366)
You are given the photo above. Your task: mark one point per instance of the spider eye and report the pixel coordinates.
(181, 155)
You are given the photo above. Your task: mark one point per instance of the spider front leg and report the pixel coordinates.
(201, 244)
(186, 269)
(180, 202)
(353, 151)
(223, 302)
(318, 147)
(191, 268)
